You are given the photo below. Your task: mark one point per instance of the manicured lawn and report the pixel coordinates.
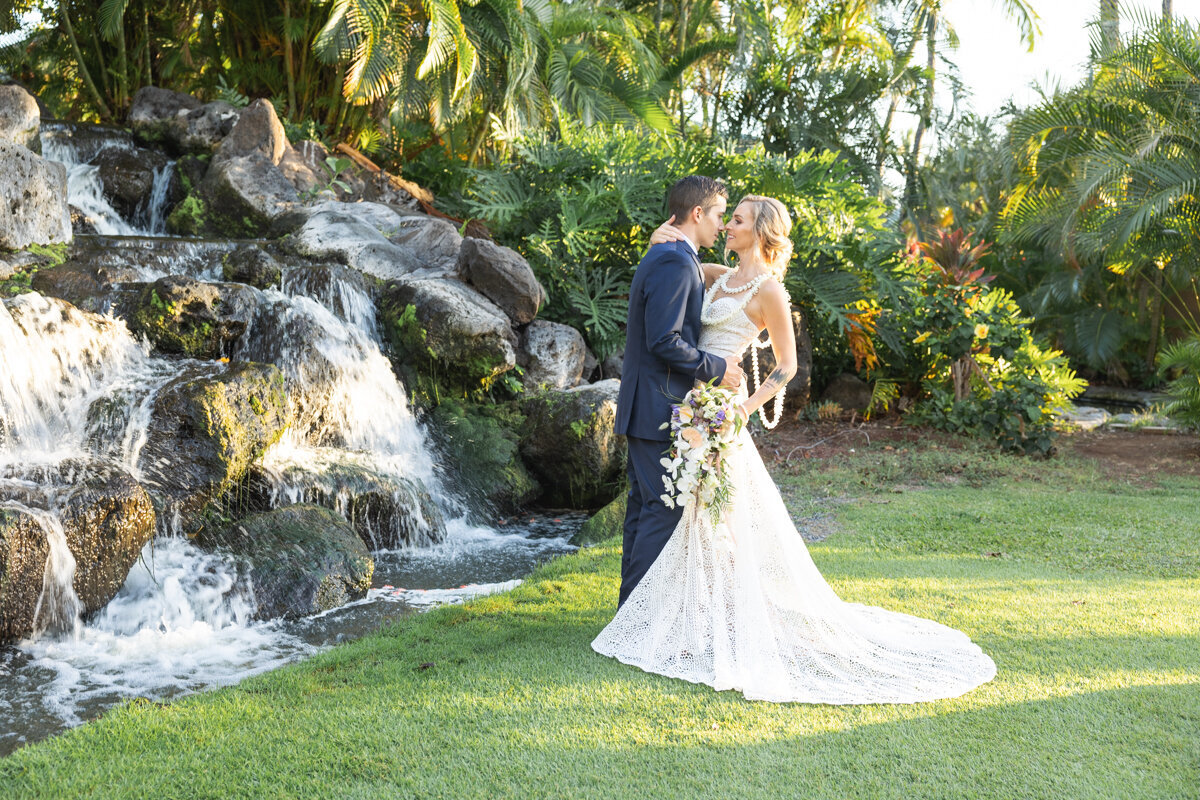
(1083, 588)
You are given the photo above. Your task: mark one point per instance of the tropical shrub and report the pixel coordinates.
(979, 369)
(1182, 359)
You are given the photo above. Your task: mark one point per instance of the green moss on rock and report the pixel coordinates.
(604, 524)
(482, 440)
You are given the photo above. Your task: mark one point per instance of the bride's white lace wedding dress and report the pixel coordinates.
(744, 607)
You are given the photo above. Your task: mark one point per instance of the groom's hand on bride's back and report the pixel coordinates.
(733, 373)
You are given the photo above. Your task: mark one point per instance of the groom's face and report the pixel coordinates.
(711, 224)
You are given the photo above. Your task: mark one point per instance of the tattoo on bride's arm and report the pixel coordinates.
(778, 379)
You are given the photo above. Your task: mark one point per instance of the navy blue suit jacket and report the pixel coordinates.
(662, 362)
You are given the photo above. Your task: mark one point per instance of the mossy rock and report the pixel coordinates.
(189, 217)
(482, 441)
(194, 318)
(443, 325)
(604, 524)
(206, 431)
(301, 559)
(569, 441)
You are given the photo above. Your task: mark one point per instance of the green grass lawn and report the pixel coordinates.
(1082, 588)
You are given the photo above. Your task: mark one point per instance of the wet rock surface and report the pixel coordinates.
(569, 442)
(107, 518)
(207, 428)
(194, 318)
(301, 559)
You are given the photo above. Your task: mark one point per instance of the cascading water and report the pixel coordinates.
(75, 386)
(85, 190)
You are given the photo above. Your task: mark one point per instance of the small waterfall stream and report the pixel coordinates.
(81, 387)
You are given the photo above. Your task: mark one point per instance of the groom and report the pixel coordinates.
(662, 364)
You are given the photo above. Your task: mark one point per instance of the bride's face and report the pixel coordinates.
(739, 231)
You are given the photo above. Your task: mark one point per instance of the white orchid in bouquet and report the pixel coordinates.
(704, 426)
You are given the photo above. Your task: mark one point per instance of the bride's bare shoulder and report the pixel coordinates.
(712, 272)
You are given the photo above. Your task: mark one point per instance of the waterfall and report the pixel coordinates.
(156, 210)
(58, 362)
(61, 143)
(58, 607)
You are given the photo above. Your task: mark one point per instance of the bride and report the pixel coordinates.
(742, 606)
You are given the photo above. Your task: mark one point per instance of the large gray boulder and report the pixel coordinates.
(33, 199)
(350, 233)
(570, 443)
(433, 242)
(180, 121)
(257, 131)
(206, 430)
(253, 266)
(503, 276)
(552, 355)
(244, 194)
(83, 285)
(451, 322)
(19, 117)
(849, 391)
(194, 318)
(107, 518)
(301, 560)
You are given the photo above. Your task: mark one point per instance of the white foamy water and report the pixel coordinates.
(181, 622)
(58, 361)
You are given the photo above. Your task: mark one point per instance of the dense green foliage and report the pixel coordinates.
(581, 208)
(1092, 628)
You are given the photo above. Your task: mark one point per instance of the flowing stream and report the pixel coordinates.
(184, 618)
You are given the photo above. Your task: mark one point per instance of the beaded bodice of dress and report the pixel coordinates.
(726, 330)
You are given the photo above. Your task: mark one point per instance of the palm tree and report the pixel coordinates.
(1110, 177)
(929, 18)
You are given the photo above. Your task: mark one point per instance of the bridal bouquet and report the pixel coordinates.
(704, 425)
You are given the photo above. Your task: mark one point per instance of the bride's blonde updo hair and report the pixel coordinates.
(773, 227)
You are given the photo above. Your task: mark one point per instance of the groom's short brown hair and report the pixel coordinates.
(692, 191)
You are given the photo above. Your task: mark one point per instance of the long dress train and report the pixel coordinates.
(742, 606)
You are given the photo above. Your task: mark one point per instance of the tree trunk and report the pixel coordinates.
(287, 59)
(1110, 27)
(83, 70)
(1156, 319)
(683, 23)
(910, 188)
(1168, 10)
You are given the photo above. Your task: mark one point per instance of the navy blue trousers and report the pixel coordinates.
(648, 523)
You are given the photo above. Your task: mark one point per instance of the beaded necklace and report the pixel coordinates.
(752, 287)
(720, 285)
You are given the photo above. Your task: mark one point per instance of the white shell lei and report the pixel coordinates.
(707, 318)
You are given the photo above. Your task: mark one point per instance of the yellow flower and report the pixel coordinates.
(981, 331)
(922, 337)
